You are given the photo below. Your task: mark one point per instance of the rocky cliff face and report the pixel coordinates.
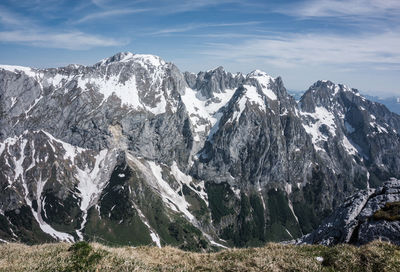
(132, 151)
(364, 217)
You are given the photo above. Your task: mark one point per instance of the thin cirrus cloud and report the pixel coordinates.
(199, 26)
(338, 8)
(8, 18)
(109, 13)
(190, 5)
(68, 40)
(165, 7)
(378, 51)
(23, 30)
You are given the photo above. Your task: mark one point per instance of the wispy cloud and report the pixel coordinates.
(161, 7)
(100, 3)
(69, 40)
(190, 5)
(334, 8)
(109, 13)
(23, 30)
(368, 50)
(11, 19)
(199, 26)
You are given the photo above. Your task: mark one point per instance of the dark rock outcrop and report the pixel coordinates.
(369, 215)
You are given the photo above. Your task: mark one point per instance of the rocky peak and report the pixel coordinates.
(19, 69)
(119, 57)
(257, 74)
(325, 93)
(319, 94)
(128, 57)
(264, 81)
(345, 102)
(213, 81)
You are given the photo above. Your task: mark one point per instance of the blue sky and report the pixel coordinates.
(355, 42)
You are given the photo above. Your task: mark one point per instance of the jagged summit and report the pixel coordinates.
(75, 66)
(121, 56)
(18, 69)
(216, 69)
(258, 73)
(331, 88)
(124, 57)
(327, 94)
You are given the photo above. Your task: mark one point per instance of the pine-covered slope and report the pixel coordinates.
(132, 151)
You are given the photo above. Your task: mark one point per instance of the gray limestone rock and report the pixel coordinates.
(214, 154)
(356, 222)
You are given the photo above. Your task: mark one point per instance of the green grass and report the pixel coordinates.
(376, 256)
(83, 257)
(390, 212)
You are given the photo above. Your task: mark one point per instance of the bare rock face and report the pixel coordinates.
(366, 216)
(132, 151)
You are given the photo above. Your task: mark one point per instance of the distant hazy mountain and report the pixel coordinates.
(296, 94)
(132, 151)
(392, 103)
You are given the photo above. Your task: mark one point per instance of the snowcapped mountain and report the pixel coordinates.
(132, 151)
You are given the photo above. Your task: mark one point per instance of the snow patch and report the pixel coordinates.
(320, 117)
(254, 97)
(200, 109)
(378, 127)
(91, 183)
(242, 105)
(43, 225)
(288, 188)
(19, 176)
(348, 127)
(142, 59)
(127, 92)
(215, 128)
(7, 142)
(170, 197)
(182, 178)
(13, 101)
(70, 151)
(349, 146)
(217, 244)
(236, 191)
(264, 81)
(148, 60)
(287, 231)
(292, 210)
(18, 69)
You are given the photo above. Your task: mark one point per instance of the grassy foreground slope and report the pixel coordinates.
(377, 256)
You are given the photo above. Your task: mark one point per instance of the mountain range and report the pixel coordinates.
(132, 151)
(391, 102)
